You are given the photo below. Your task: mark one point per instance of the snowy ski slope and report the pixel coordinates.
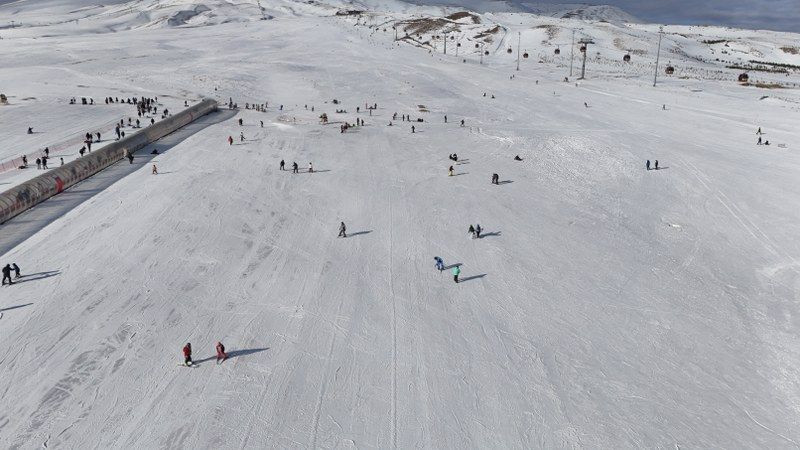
(605, 307)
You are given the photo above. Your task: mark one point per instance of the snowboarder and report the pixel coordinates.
(495, 178)
(295, 169)
(471, 231)
(283, 164)
(456, 273)
(187, 354)
(342, 230)
(478, 230)
(656, 164)
(7, 275)
(230, 140)
(648, 164)
(15, 267)
(221, 355)
(450, 172)
(439, 263)
(155, 170)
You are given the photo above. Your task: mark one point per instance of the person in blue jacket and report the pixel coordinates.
(439, 263)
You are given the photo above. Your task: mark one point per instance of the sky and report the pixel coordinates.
(782, 15)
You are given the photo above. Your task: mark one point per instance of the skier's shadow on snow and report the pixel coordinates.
(493, 233)
(461, 280)
(37, 276)
(234, 354)
(359, 233)
(504, 182)
(452, 265)
(460, 173)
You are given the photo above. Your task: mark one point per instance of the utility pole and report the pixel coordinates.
(481, 53)
(572, 52)
(445, 42)
(519, 38)
(585, 49)
(658, 53)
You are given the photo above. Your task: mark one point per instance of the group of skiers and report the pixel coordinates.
(456, 269)
(295, 167)
(187, 353)
(648, 165)
(7, 273)
(759, 138)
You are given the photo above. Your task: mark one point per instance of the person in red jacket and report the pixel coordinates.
(187, 354)
(221, 356)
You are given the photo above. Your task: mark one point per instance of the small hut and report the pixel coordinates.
(669, 70)
(743, 78)
(627, 58)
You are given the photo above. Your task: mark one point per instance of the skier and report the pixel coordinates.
(439, 263)
(759, 141)
(187, 354)
(656, 164)
(471, 231)
(241, 137)
(7, 274)
(39, 163)
(310, 168)
(495, 178)
(759, 131)
(130, 157)
(230, 140)
(450, 172)
(221, 355)
(342, 230)
(462, 122)
(47, 151)
(30, 130)
(155, 170)
(456, 272)
(413, 130)
(283, 164)
(62, 161)
(15, 267)
(478, 230)
(295, 168)
(24, 161)
(240, 121)
(648, 164)
(262, 123)
(44, 162)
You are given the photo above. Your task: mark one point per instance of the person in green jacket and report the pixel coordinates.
(456, 272)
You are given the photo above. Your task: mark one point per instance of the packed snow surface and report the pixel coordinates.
(605, 306)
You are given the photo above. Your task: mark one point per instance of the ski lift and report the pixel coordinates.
(525, 55)
(509, 50)
(557, 51)
(627, 58)
(669, 70)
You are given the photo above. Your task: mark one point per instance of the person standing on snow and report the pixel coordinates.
(495, 178)
(283, 164)
(342, 230)
(439, 263)
(221, 355)
(648, 164)
(15, 267)
(155, 170)
(656, 164)
(310, 168)
(187, 354)
(295, 168)
(478, 230)
(450, 172)
(230, 140)
(456, 273)
(241, 137)
(471, 231)
(7, 275)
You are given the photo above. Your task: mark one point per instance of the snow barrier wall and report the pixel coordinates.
(32, 192)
